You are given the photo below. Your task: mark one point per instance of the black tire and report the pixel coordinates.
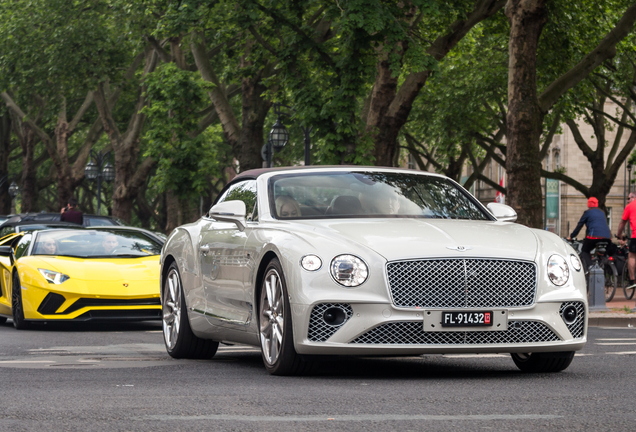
(611, 280)
(17, 308)
(547, 362)
(3, 320)
(274, 317)
(180, 342)
(629, 292)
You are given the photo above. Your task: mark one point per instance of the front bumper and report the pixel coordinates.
(381, 329)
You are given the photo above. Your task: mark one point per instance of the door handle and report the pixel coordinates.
(204, 249)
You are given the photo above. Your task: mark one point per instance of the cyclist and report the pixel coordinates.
(597, 230)
(629, 214)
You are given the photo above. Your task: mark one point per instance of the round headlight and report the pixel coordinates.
(558, 270)
(349, 270)
(576, 262)
(311, 262)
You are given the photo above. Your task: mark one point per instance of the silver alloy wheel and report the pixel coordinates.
(272, 316)
(172, 309)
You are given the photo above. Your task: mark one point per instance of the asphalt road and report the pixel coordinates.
(118, 377)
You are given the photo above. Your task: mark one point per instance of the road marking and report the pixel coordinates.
(616, 343)
(474, 355)
(617, 339)
(356, 418)
(27, 361)
(623, 353)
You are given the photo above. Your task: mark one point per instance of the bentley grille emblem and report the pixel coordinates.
(459, 248)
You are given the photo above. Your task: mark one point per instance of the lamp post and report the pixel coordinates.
(98, 170)
(278, 137)
(14, 190)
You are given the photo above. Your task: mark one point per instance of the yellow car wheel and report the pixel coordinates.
(16, 305)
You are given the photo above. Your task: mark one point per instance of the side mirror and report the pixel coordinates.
(6, 251)
(230, 211)
(502, 212)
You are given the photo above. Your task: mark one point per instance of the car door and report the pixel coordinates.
(224, 264)
(20, 242)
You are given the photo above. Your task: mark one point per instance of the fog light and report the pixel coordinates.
(569, 314)
(334, 316)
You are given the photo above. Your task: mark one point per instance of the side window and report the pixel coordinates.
(23, 246)
(243, 191)
(6, 230)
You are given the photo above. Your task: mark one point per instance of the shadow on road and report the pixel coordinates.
(90, 326)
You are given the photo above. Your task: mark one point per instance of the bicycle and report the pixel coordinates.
(600, 255)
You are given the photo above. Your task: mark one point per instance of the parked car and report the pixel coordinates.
(89, 219)
(80, 274)
(16, 227)
(368, 261)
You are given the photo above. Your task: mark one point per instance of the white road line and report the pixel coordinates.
(26, 361)
(356, 418)
(473, 355)
(623, 353)
(617, 339)
(616, 343)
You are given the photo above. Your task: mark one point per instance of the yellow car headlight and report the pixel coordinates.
(53, 276)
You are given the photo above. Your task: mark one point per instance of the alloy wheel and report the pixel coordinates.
(172, 309)
(272, 317)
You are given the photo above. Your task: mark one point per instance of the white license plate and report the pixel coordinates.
(467, 319)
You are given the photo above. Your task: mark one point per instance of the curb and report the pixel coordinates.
(613, 320)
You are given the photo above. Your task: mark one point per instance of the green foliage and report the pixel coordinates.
(184, 157)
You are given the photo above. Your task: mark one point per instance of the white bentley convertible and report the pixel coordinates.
(368, 261)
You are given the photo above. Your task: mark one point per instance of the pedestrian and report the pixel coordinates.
(70, 213)
(629, 214)
(597, 230)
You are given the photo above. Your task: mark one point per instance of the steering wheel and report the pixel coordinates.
(117, 250)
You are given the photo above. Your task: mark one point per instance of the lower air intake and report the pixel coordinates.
(412, 333)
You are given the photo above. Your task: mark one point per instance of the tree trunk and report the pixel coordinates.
(28, 139)
(525, 118)
(129, 176)
(390, 107)
(5, 150)
(172, 212)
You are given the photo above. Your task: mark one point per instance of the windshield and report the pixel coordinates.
(370, 194)
(95, 244)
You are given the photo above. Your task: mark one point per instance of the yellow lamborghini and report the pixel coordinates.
(78, 274)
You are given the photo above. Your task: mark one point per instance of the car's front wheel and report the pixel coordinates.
(17, 308)
(275, 325)
(177, 334)
(543, 362)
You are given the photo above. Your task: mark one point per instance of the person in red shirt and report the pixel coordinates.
(629, 214)
(71, 214)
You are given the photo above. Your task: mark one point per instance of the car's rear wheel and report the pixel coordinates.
(275, 325)
(177, 334)
(543, 362)
(17, 308)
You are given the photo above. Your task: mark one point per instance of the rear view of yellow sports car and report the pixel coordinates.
(80, 275)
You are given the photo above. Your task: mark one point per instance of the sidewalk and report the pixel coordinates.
(618, 313)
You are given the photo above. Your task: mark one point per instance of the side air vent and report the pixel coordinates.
(51, 303)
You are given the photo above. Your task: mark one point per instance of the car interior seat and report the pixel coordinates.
(345, 205)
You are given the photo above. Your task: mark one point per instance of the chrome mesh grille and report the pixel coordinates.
(578, 326)
(412, 333)
(462, 283)
(319, 330)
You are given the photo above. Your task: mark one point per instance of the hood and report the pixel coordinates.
(111, 269)
(398, 239)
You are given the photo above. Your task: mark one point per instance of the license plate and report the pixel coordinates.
(467, 319)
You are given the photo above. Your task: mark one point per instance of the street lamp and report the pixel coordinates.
(279, 137)
(98, 170)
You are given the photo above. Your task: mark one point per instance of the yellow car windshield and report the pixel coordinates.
(95, 244)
